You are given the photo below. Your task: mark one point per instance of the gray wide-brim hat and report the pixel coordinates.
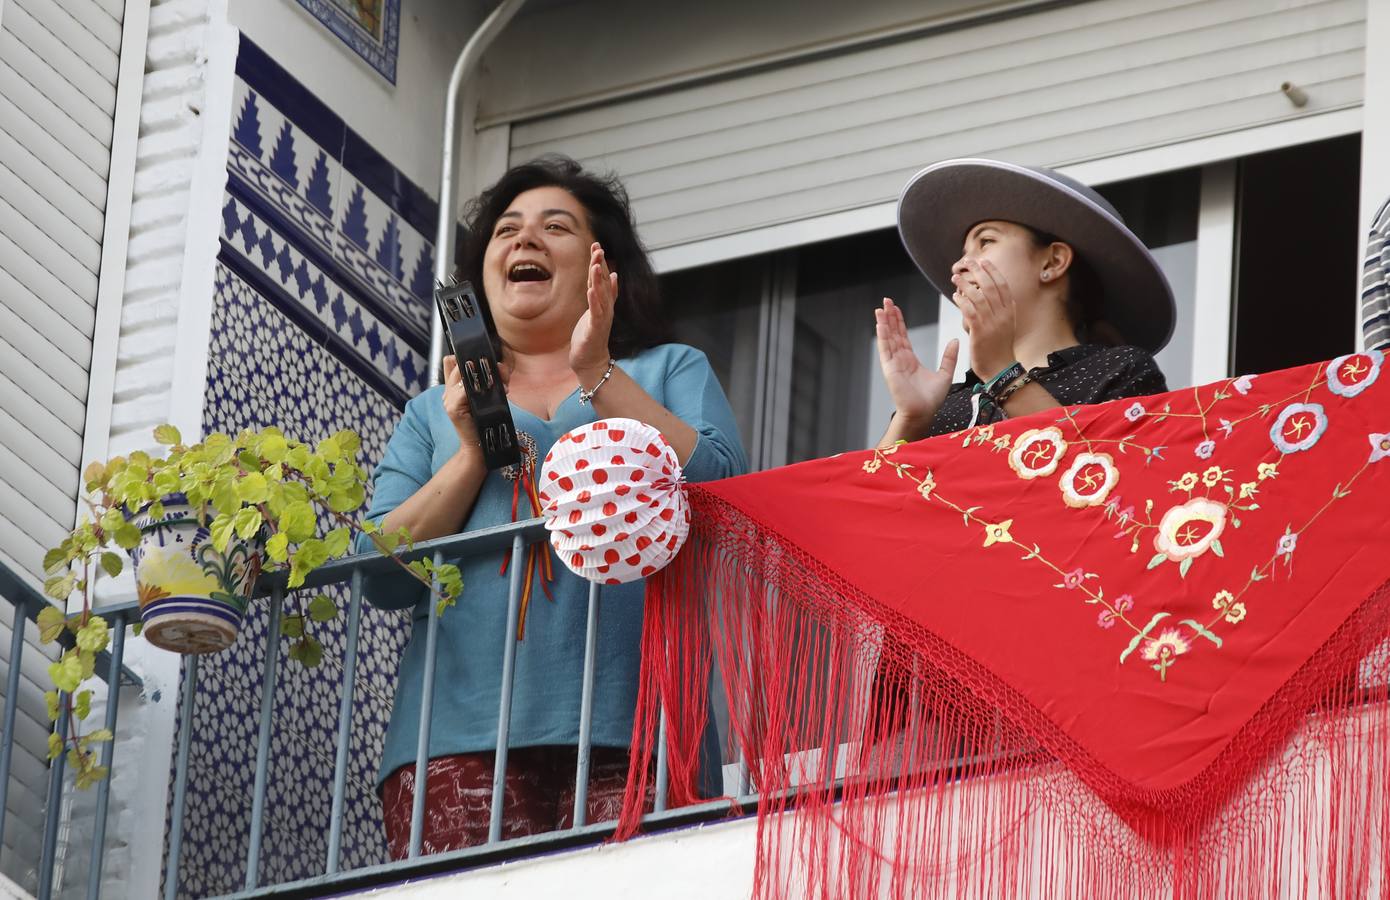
(945, 200)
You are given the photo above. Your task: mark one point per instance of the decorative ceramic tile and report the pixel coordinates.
(302, 286)
(320, 322)
(268, 370)
(371, 223)
(371, 27)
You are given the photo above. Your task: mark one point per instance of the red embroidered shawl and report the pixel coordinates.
(1098, 651)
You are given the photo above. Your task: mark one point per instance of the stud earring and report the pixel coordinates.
(1046, 276)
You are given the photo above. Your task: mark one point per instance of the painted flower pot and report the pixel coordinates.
(192, 598)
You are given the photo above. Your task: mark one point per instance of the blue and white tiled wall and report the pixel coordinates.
(320, 322)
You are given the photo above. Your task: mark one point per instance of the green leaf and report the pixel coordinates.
(167, 435)
(127, 537)
(328, 450)
(112, 519)
(82, 705)
(252, 488)
(166, 481)
(347, 499)
(297, 521)
(292, 626)
(307, 651)
(247, 522)
(111, 563)
(1184, 566)
(1157, 559)
(223, 529)
(450, 580)
(55, 746)
(51, 622)
(322, 609)
(60, 586)
(1216, 548)
(94, 475)
(136, 627)
(388, 541)
(309, 556)
(1139, 638)
(277, 547)
(51, 699)
(337, 541)
(55, 560)
(443, 603)
(297, 457)
(272, 446)
(66, 673)
(91, 775)
(94, 636)
(224, 496)
(1201, 630)
(101, 735)
(349, 442)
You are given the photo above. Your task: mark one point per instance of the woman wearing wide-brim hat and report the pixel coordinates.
(1062, 303)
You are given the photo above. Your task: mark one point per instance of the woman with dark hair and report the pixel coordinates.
(1050, 284)
(573, 304)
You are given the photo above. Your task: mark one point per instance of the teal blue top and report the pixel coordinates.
(549, 661)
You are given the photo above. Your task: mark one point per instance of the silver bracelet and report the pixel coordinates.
(586, 396)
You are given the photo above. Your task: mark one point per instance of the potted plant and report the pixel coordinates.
(201, 523)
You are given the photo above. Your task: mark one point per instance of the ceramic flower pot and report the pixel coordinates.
(192, 598)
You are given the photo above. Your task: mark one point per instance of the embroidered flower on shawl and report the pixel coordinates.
(1349, 375)
(1227, 426)
(1268, 470)
(1205, 449)
(999, 533)
(1248, 490)
(1135, 412)
(1090, 480)
(1298, 427)
(1243, 384)
(926, 485)
(1188, 530)
(1380, 447)
(1213, 476)
(1037, 452)
(872, 465)
(1123, 604)
(1231, 608)
(1001, 443)
(1167, 645)
(1288, 542)
(1187, 482)
(1072, 580)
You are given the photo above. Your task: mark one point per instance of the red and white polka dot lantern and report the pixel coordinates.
(613, 500)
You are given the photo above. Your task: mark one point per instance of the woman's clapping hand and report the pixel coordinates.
(589, 353)
(917, 391)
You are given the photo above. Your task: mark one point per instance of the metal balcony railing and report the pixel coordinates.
(349, 570)
(27, 603)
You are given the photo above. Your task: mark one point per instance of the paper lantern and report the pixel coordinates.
(613, 500)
